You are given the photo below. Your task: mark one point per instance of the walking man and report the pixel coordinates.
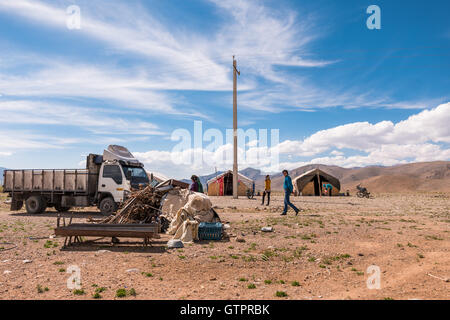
(266, 190)
(288, 188)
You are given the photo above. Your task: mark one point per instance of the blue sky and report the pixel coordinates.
(338, 92)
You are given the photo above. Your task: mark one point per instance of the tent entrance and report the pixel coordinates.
(228, 185)
(316, 186)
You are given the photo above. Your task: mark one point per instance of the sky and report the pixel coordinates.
(316, 85)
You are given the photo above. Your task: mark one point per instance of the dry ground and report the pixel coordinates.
(321, 254)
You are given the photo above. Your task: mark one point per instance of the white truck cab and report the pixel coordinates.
(113, 180)
(120, 173)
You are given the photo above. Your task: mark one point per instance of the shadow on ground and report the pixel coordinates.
(129, 246)
(54, 214)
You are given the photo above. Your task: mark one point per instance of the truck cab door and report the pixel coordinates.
(112, 180)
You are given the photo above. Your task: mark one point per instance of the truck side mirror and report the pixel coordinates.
(128, 175)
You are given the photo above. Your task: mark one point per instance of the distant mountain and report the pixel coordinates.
(251, 173)
(419, 176)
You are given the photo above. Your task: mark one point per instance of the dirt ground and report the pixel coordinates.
(323, 253)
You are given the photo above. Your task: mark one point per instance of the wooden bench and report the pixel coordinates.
(78, 230)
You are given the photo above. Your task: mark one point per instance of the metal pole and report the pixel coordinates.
(235, 163)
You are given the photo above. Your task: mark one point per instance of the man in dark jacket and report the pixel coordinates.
(288, 189)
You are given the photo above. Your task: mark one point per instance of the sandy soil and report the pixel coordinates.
(323, 253)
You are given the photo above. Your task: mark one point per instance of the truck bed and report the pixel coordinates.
(46, 180)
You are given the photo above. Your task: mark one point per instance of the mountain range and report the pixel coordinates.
(419, 176)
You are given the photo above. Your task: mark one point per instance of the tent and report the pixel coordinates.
(310, 183)
(222, 185)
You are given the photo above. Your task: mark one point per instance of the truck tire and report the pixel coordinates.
(16, 205)
(43, 205)
(59, 208)
(34, 204)
(107, 206)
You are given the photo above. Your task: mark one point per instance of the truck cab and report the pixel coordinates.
(120, 173)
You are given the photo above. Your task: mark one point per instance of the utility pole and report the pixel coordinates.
(235, 164)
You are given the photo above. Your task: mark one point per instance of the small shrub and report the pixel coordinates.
(280, 294)
(295, 284)
(132, 292)
(121, 293)
(251, 286)
(78, 292)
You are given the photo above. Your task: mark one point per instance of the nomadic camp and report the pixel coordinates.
(310, 183)
(222, 185)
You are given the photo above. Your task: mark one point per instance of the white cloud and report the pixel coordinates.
(383, 143)
(428, 125)
(5, 153)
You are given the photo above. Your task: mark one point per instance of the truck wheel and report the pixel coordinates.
(34, 204)
(107, 206)
(43, 205)
(16, 205)
(59, 208)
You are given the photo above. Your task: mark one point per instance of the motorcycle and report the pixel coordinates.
(362, 192)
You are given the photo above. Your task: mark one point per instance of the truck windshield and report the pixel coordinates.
(136, 175)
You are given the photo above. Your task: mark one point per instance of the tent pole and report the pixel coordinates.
(320, 185)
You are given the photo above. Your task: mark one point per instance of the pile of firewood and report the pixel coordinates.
(142, 207)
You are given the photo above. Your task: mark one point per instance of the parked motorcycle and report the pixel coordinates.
(362, 192)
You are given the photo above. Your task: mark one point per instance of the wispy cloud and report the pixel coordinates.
(45, 113)
(261, 37)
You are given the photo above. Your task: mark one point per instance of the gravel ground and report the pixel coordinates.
(323, 253)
